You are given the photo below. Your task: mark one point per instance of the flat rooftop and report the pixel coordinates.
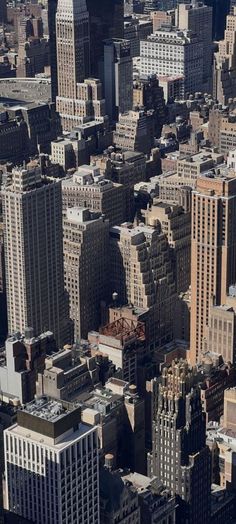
(24, 91)
(47, 409)
(40, 438)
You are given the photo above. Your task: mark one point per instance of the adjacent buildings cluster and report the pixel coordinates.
(117, 261)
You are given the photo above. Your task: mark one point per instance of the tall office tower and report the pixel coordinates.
(3, 303)
(3, 11)
(141, 274)
(221, 9)
(118, 77)
(213, 254)
(106, 21)
(32, 214)
(73, 48)
(197, 17)
(86, 250)
(52, 9)
(224, 75)
(51, 462)
(180, 458)
(174, 53)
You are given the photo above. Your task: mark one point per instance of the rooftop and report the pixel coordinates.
(88, 176)
(46, 408)
(24, 91)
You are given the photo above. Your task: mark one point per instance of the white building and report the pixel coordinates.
(170, 52)
(51, 464)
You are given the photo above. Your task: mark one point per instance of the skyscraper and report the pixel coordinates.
(197, 17)
(220, 10)
(3, 11)
(3, 304)
(52, 465)
(180, 458)
(52, 9)
(118, 77)
(32, 214)
(86, 249)
(73, 61)
(106, 18)
(213, 254)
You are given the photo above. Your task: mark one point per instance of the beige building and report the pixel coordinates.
(222, 128)
(221, 330)
(173, 87)
(228, 133)
(73, 50)
(213, 255)
(124, 342)
(88, 106)
(32, 214)
(141, 274)
(162, 18)
(118, 412)
(176, 225)
(86, 258)
(135, 131)
(33, 57)
(230, 409)
(191, 166)
(63, 152)
(88, 188)
(67, 374)
(224, 77)
(174, 187)
(222, 442)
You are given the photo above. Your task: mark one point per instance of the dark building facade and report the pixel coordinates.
(180, 457)
(221, 9)
(52, 9)
(106, 21)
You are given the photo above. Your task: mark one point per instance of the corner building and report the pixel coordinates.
(51, 461)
